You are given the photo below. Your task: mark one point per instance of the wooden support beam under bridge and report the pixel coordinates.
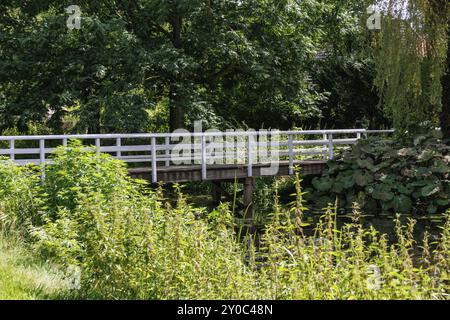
(224, 173)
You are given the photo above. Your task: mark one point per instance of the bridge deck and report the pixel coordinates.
(223, 172)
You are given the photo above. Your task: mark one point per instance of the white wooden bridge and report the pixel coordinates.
(207, 156)
(183, 156)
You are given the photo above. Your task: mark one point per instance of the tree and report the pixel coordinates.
(49, 72)
(234, 59)
(412, 58)
(345, 71)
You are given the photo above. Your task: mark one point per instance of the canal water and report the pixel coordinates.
(384, 223)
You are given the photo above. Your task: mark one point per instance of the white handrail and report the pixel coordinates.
(185, 134)
(224, 146)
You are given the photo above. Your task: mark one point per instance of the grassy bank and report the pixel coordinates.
(23, 274)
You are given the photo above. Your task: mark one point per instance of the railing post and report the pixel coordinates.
(250, 155)
(330, 146)
(11, 150)
(291, 154)
(154, 164)
(42, 158)
(167, 151)
(64, 142)
(204, 159)
(119, 145)
(325, 146)
(240, 154)
(41, 152)
(97, 146)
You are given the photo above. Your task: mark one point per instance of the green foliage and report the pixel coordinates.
(77, 171)
(126, 242)
(19, 202)
(48, 73)
(23, 273)
(349, 263)
(410, 55)
(351, 100)
(386, 175)
(218, 61)
(129, 243)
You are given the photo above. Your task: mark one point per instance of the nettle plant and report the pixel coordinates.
(391, 175)
(19, 196)
(129, 242)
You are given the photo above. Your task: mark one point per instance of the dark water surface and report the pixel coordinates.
(384, 223)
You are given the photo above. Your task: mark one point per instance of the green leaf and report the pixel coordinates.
(382, 194)
(443, 202)
(427, 155)
(440, 168)
(347, 181)
(406, 152)
(365, 164)
(403, 204)
(404, 190)
(362, 179)
(419, 139)
(430, 190)
(432, 209)
(323, 184)
(337, 187)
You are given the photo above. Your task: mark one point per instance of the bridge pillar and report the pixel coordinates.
(249, 184)
(217, 192)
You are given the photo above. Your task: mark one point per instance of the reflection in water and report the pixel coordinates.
(385, 224)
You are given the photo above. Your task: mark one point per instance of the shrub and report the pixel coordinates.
(389, 176)
(350, 263)
(78, 171)
(127, 244)
(135, 248)
(19, 196)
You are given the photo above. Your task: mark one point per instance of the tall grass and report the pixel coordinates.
(129, 243)
(23, 275)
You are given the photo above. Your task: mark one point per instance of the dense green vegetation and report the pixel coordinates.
(129, 243)
(412, 57)
(160, 65)
(404, 176)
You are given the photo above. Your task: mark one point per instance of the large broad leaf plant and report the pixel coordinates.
(389, 176)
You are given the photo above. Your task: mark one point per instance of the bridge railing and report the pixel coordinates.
(247, 148)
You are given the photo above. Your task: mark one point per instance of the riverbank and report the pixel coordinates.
(23, 274)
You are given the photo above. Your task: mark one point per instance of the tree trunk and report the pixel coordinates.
(176, 107)
(94, 123)
(176, 120)
(445, 115)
